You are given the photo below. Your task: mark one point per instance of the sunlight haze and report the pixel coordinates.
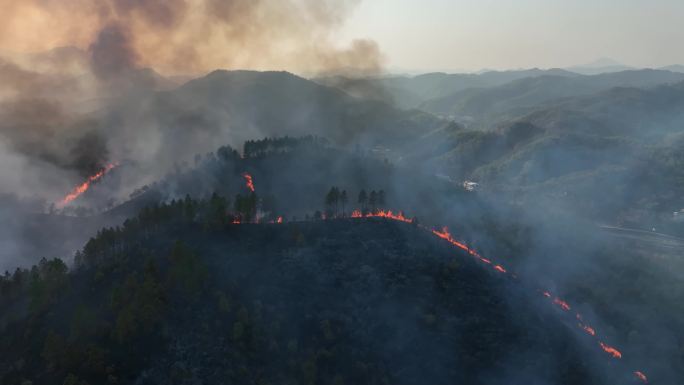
(445, 35)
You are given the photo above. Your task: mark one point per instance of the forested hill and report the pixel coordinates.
(179, 296)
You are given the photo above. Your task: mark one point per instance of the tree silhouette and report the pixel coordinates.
(373, 200)
(246, 207)
(363, 199)
(381, 198)
(332, 201)
(344, 199)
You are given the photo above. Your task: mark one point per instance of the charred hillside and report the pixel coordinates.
(166, 299)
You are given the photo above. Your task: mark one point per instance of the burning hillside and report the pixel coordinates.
(329, 295)
(249, 182)
(561, 304)
(82, 188)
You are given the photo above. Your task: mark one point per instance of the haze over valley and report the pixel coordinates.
(312, 192)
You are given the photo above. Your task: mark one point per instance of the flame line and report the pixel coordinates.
(249, 182)
(446, 235)
(82, 188)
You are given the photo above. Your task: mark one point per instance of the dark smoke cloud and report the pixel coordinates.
(112, 53)
(193, 36)
(51, 98)
(164, 14)
(78, 82)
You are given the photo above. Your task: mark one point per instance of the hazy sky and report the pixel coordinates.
(465, 34)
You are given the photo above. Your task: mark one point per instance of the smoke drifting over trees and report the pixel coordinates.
(193, 36)
(138, 84)
(66, 108)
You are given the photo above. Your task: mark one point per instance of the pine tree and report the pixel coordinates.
(381, 198)
(363, 199)
(343, 200)
(332, 199)
(373, 200)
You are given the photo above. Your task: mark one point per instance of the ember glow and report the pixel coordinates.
(390, 215)
(641, 377)
(562, 304)
(446, 235)
(610, 350)
(399, 216)
(588, 329)
(249, 182)
(82, 188)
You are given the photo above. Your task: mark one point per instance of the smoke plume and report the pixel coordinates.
(191, 36)
(62, 63)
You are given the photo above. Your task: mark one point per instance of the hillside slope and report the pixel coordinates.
(609, 151)
(349, 301)
(234, 106)
(412, 91)
(489, 104)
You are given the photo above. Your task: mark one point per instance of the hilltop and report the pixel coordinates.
(169, 300)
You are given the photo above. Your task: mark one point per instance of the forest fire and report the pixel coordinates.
(382, 214)
(249, 182)
(641, 377)
(610, 350)
(446, 235)
(390, 215)
(562, 304)
(82, 188)
(588, 329)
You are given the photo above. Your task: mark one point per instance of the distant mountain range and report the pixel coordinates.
(489, 103)
(410, 92)
(600, 66)
(604, 152)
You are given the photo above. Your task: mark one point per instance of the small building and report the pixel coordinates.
(470, 186)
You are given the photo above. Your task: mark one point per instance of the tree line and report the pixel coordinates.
(336, 201)
(262, 147)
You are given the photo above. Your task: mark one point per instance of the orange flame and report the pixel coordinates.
(82, 188)
(641, 377)
(390, 215)
(562, 304)
(383, 214)
(279, 220)
(446, 235)
(249, 181)
(588, 329)
(610, 350)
